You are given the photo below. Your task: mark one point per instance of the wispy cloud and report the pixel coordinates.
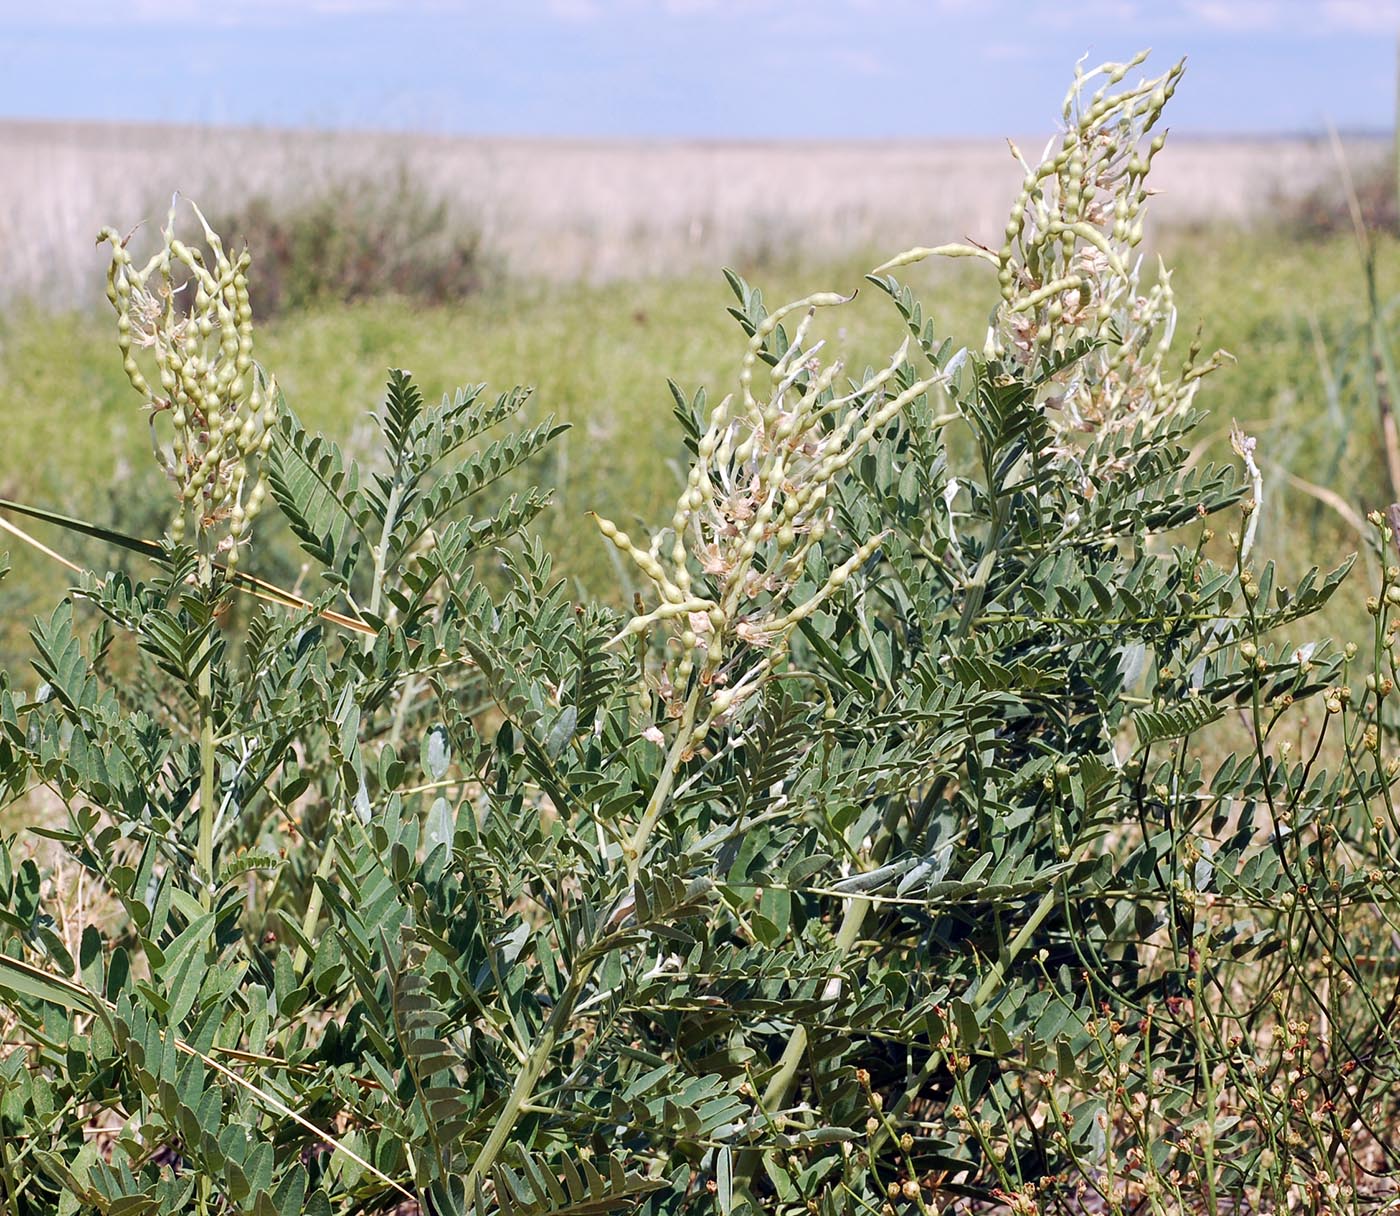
(689, 66)
(574, 10)
(214, 12)
(593, 10)
(1234, 14)
(1008, 52)
(1350, 16)
(1326, 16)
(1362, 16)
(858, 62)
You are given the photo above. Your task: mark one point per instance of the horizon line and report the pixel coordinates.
(1177, 134)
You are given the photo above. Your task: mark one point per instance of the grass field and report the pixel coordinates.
(599, 357)
(603, 302)
(596, 211)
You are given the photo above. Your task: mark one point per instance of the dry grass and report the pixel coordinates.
(589, 210)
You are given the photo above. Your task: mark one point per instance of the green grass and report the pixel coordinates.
(599, 358)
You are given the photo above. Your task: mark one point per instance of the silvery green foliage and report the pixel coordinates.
(517, 911)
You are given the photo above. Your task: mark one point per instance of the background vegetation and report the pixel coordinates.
(1289, 300)
(955, 810)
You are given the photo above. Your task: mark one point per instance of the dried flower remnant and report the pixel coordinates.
(754, 507)
(221, 405)
(1244, 447)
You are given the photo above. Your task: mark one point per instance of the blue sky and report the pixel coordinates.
(689, 68)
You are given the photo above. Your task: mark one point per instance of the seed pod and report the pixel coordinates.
(202, 361)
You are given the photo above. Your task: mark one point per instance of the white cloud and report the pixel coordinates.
(1008, 52)
(1366, 17)
(689, 8)
(213, 12)
(228, 13)
(592, 10)
(1234, 14)
(857, 62)
(574, 10)
(1302, 16)
(1362, 16)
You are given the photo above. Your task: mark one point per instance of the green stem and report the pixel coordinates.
(776, 1094)
(528, 1077)
(538, 1060)
(208, 757)
(323, 868)
(680, 748)
(1208, 1081)
(7, 1179)
(990, 983)
(313, 904)
(852, 920)
(381, 551)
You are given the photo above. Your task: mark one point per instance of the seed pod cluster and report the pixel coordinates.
(755, 505)
(190, 311)
(1071, 279)
(1070, 274)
